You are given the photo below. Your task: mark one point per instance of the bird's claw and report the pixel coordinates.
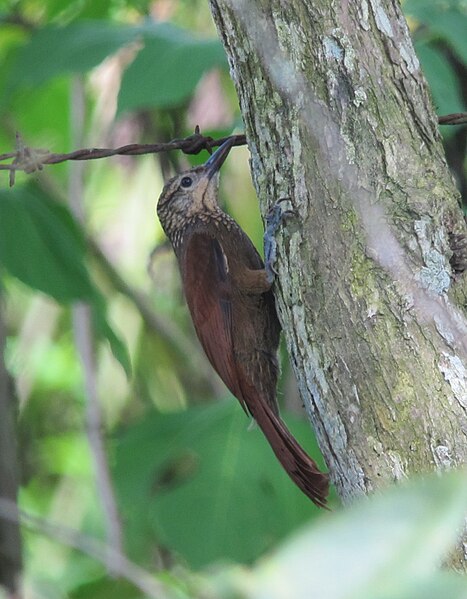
(274, 220)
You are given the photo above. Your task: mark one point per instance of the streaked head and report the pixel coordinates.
(192, 193)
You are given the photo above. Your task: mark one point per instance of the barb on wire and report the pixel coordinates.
(31, 159)
(28, 159)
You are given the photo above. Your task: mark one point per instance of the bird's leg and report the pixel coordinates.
(274, 220)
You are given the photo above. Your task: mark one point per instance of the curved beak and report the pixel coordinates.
(215, 162)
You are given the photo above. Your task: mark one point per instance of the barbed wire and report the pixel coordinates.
(29, 160)
(457, 118)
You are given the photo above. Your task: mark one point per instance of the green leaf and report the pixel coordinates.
(168, 68)
(103, 588)
(443, 82)
(43, 246)
(204, 485)
(385, 547)
(447, 19)
(75, 48)
(164, 73)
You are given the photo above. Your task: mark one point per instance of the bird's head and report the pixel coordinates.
(192, 193)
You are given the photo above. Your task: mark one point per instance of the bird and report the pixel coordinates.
(229, 295)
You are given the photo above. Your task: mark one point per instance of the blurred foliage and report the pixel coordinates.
(438, 29)
(50, 255)
(167, 50)
(190, 478)
(387, 547)
(194, 486)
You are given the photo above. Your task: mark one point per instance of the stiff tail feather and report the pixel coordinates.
(299, 466)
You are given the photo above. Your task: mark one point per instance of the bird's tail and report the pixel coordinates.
(299, 466)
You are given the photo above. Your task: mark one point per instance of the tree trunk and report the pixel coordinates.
(338, 119)
(10, 540)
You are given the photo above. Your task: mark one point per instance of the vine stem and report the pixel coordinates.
(84, 340)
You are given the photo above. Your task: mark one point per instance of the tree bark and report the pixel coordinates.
(10, 539)
(338, 119)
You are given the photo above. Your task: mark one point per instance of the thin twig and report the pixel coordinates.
(107, 555)
(84, 339)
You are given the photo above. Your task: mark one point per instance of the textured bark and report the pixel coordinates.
(338, 119)
(10, 540)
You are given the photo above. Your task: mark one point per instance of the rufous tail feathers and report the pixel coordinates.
(298, 465)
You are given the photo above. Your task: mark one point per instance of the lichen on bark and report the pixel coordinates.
(338, 118)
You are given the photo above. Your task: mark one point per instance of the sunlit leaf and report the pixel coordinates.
(67, 454)
(164, 73)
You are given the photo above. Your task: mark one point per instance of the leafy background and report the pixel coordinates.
(195, 488)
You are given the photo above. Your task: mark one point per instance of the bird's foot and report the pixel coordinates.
(274, 220)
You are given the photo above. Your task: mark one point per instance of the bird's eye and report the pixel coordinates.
(186, 182)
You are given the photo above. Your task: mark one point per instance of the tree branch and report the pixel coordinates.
(84, 339)
(10, 540)
(457, 118)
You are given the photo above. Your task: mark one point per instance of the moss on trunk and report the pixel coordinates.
(339, 120)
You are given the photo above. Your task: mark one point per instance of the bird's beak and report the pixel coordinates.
(214, 163)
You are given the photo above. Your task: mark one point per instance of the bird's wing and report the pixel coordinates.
(208, 292)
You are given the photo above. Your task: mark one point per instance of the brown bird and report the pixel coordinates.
(228, 292)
